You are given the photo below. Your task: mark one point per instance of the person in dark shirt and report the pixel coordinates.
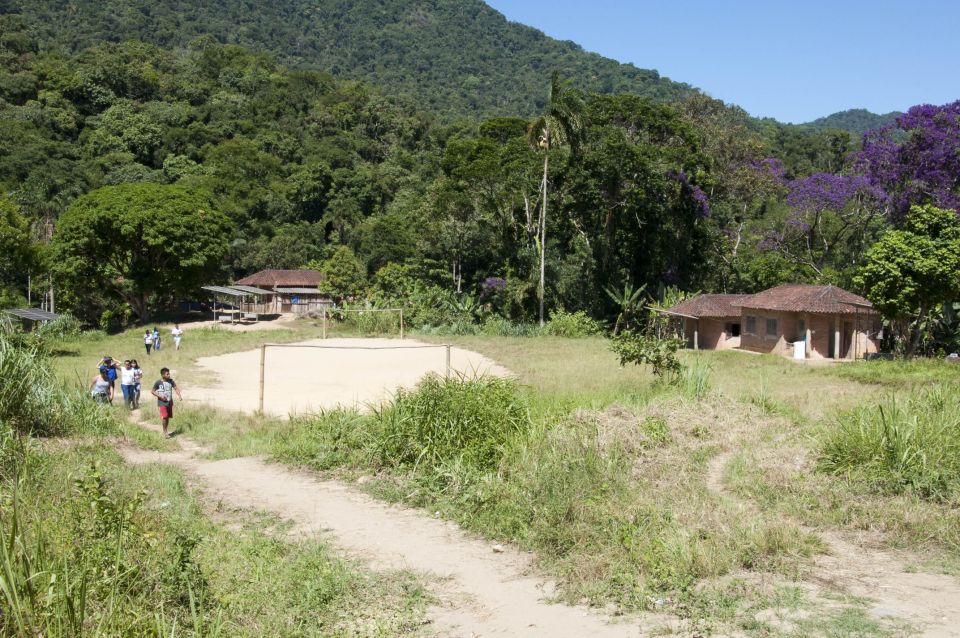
(163, 390)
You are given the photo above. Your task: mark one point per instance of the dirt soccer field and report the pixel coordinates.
(345, 372)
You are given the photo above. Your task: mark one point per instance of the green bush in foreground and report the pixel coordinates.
(910, 445)
(468, 420)
(572, 324)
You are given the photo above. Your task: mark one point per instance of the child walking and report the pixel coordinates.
(163, 390)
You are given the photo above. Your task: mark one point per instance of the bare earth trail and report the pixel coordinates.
(482, 592)
(929, 602)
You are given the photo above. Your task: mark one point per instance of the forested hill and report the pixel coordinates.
(455, 57)
(857, 121)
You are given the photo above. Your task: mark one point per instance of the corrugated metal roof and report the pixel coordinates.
(223, 290)
(253, 290)
(294, 290)
(32, 314)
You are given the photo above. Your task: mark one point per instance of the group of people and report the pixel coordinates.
(109, 369)
(152, 339)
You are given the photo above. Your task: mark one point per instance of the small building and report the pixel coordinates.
(792, 320)
(831, 322)
(294, 291)
(710, 322)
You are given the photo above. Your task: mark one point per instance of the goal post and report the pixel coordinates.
(448, 369)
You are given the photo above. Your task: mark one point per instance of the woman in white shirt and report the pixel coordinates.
(177, 333)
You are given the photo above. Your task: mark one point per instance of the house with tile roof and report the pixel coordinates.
(711, 322)
(295, 291)
(801, 321)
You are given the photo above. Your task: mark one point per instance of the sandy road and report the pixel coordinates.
(483, 592)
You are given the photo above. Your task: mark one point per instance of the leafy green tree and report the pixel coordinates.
(344, 275)
(140, 243)
(18, 253)
(911, 272)
(560, 125)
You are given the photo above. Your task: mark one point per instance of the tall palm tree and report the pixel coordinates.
(560, 125)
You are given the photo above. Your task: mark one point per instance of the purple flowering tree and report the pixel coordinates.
(916, 161)
(830, 218)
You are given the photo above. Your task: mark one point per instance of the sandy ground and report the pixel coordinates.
(345, 372)
(484, 590)
(928, 602)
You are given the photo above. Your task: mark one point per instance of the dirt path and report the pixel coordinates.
(483, 591)
(929, 602)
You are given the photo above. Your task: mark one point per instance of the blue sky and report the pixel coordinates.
(794, 61)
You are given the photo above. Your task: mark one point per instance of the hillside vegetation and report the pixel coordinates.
(857, 121)
(456, 57)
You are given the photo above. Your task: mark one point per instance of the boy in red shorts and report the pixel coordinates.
(163, 390)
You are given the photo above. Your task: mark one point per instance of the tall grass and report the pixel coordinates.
(33, 401)
(901, 445)
(460, 419)
(695, 379)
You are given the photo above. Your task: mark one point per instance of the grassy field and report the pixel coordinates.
(700, 499)
(94, 547)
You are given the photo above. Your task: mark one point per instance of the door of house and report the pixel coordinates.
(845, 347)
(832, 341)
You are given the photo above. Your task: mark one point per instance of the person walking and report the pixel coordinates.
(163, 390)
(156, 339)
(128, 384)
(177, 333)
(147, 341)
(100, 388)
(137, 380)
(109, 365)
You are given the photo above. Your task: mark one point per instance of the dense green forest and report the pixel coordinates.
(857, 121)
(112, 158)
(455, 57)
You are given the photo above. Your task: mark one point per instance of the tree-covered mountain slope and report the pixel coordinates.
(857, 121)
(455, 57)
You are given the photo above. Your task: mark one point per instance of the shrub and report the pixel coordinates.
(468, 420)
(575, 324)
(638, 348)
(910, 445)
(496, 326)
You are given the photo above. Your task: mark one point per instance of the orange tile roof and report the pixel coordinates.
(809, 298)
(305, 278)
(710, 306)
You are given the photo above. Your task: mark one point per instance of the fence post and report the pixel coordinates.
(263, 356)
(401, 323)
(448, 360)
(324, 322)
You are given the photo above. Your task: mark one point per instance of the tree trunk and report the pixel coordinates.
(543, 237)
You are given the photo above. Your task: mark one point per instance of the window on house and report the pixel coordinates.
(772, 328)
(751, 325)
